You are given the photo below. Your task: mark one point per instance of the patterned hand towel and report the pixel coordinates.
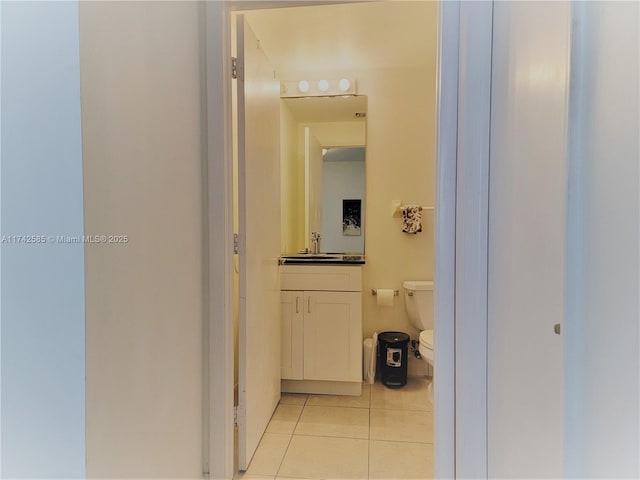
(411, 218)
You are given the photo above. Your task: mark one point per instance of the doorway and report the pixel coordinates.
(446, 178)
(389, 50)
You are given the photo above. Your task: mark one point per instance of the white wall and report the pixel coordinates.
(143, 174)
(312, 185)
(292, 183)
(601, 327)
(42, 290)
(400, 165)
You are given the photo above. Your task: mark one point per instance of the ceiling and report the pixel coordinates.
(347, 36)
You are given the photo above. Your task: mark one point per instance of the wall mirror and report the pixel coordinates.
(323, 145)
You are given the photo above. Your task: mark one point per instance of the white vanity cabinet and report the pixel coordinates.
(292, 334)
(321, 329)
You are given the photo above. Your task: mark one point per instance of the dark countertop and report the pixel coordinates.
(322, 259)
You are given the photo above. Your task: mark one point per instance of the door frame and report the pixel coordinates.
(471, 238)
(463, 119)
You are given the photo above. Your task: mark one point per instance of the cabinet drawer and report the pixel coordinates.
(320, 277)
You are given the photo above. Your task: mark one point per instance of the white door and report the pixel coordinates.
(527, 208)
(313, 185)
(601, 329)
(259, 215)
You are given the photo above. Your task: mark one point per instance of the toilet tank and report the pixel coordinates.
(418, 297)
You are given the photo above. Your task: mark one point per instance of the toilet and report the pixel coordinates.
(418, 298)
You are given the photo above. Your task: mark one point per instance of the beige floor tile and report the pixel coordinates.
(326, 458)
(413, 396)
(361, 401)
(269, 454)
(402, 426)
(293, 398)
(284, 419)
(334, 422)
(394, 460)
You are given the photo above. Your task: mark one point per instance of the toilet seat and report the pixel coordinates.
(426, 339)
(426, 346)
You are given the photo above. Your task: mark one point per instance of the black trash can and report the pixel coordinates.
(392, 358)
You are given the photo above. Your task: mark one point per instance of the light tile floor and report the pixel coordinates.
(382, 434)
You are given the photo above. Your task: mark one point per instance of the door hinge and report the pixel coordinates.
(236, 243)
(235, 415)
(234, 67)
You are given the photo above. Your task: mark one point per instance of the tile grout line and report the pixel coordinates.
(291, 437)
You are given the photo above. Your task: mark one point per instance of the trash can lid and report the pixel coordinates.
(391, 337)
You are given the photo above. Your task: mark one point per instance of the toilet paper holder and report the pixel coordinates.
(375, 292)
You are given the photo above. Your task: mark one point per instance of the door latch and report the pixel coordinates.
(556, 328)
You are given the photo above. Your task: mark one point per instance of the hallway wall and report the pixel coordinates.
(42, 282)
(143, 177)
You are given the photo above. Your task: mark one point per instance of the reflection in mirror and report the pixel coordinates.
(342, 199)
(323, 173)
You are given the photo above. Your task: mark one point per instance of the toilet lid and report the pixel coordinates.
(426, 338)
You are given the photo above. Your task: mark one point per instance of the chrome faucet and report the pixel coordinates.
(315, 241)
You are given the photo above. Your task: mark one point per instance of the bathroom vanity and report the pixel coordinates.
(321, 328)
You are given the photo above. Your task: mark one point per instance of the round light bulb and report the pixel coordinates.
(323, 85)
(303, 86)
(344, 85)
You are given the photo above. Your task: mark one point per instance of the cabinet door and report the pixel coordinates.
(292, 341)
(333, 336)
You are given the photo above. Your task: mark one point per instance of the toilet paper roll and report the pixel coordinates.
(385, 297)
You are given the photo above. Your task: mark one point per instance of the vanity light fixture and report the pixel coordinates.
(318, 88)
(344, 84)
(303, 86)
